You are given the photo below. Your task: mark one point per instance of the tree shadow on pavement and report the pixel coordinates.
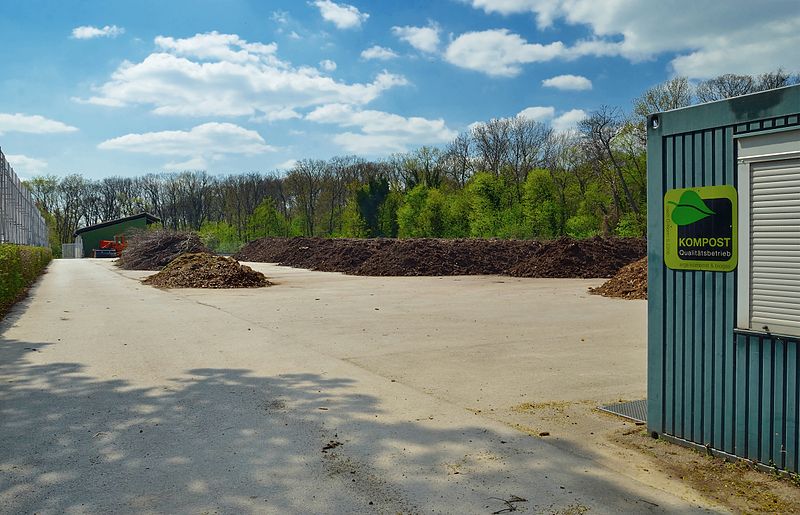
(227, 441)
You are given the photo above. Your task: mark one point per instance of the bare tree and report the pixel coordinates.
(775, 79)
(492, 142)
(672, 94)
(600, 130)
(305, 182)
(725, 86)
(527, 144)
(460, 159)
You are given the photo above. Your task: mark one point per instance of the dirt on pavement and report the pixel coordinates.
(206, 271)
(564, 257)
(629, 283)
(627, 447)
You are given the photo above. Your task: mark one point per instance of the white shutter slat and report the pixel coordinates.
(776, 289)
(775, 247)
(764, 204)
(758, 321)
(762, 295)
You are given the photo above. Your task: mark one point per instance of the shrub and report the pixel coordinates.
(582, 226)
(19, 267)
(632, 225)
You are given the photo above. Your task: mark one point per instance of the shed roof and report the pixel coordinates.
(149, 219)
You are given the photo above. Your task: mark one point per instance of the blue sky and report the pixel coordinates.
(126, 88)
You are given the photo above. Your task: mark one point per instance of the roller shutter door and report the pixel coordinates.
(775, 246)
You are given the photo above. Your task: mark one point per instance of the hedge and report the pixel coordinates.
(19, 267)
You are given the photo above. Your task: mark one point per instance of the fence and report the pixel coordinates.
(20, 220)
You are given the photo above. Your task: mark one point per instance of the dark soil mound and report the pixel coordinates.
(596, 257)
(206, 271)
(429, 256)
(153, 250)
(593, 257)
(629, 283)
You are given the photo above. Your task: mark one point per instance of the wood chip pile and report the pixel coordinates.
(629, 283)
(206, 271)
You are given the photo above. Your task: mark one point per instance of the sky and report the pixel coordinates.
(111, 87)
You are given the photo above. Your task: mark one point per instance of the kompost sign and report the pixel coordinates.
(700, 228)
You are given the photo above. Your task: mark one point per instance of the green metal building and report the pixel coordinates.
(724, 277)
(88, 238)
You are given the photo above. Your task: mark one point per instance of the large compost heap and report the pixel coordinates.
(564, 257)
(629, 283)
(206, 271)
(153, 250)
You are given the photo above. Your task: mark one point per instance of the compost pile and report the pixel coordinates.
(153, 250)
(206, 271)
(629, 283)
(565, 257)
(586, 259)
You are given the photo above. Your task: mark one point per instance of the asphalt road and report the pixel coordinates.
(322, 394)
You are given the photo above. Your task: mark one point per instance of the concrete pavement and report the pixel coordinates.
(323, 394)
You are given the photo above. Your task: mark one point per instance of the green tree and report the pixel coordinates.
(267, 221)
(409, 214)
(387, 214)
(353, 224)
(220, 237)
(486, 201)
(542, 211)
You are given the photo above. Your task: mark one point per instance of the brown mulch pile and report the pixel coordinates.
(629, 283)
(153, 250)
(565, 257)
(586, 259)
(206, 271)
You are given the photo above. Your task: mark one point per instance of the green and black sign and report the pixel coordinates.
(700, 228)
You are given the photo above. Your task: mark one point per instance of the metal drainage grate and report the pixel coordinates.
(634, 410)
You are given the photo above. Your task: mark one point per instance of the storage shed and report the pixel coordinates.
(724, 276)
(89, 237)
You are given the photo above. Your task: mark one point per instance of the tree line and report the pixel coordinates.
(506, 178)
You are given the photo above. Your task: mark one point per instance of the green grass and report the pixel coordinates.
(19, 267)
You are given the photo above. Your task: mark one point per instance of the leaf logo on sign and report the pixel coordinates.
(689, 209)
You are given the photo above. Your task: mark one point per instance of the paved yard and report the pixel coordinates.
(322, 394)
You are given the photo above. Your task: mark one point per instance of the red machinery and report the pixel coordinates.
(111, 248)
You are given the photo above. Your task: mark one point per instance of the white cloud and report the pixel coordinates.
(286, 165)
(344, 16)
(195, 163)
(216, 74)
(498, 52)
(538, 113)
(424, 39)
(198, 145)
(280, 17)
(25, 165)
(545, 9)
(32, 124)
(327, 65)
(709, 40)
(568, 82)
(213, 46)
(294, 35)
(381, 132)
(89, 32)
(378, 52)
(277, 115)
(568, 121)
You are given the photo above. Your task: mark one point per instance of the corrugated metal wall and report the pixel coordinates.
(734, 392)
